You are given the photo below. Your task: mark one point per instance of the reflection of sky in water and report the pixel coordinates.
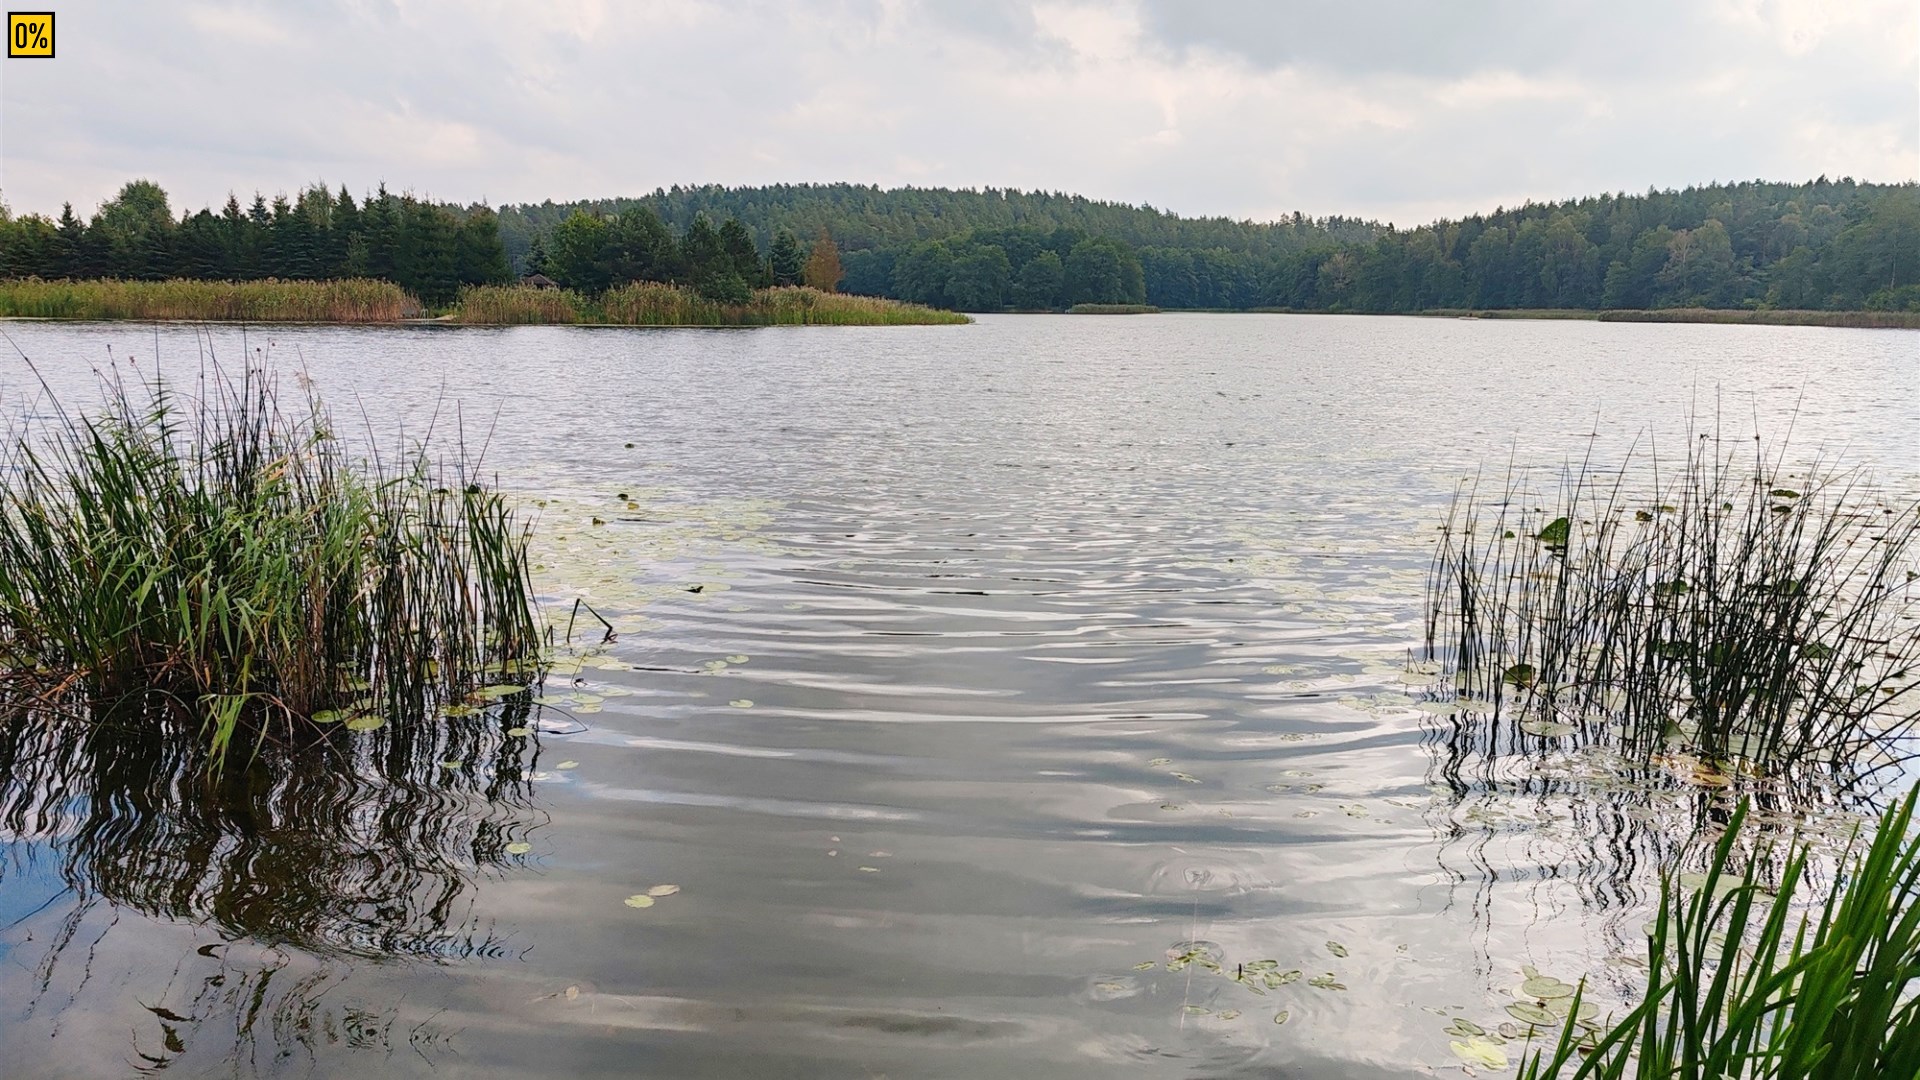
(1065, 640)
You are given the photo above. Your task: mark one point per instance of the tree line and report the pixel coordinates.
(1826, 244)
(592, 252)
(429, 249)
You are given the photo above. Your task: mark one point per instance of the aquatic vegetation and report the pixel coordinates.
(518, 305)
(239, 562)
(1721, 619)
(1745, 982)
(1113, 309)
(347, 300)
(647, 303)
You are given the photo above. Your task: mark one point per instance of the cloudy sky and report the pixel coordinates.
(1397, 109)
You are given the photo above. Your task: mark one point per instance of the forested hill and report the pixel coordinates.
(872, 226)
(1838, 245)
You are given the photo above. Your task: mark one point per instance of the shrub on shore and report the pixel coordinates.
(238, 561)
(349, 300)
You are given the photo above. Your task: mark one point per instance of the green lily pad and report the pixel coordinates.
(741, 703)
(1327, 981)
(1277, 979)
(1547, 729)
(365, 722)
(1337, 949)
(1145, 965)
(519, 732)
(519, 847)
(328, 716)
(639, 900)
(663, 890)
(1533, 1014)
(1282, 1016)
(1546, 986)
(497, 691)
(565, 765)
(736, 659)
(1520, 675)
(1229, 1014)
(1464, 1028)
(1556, 533)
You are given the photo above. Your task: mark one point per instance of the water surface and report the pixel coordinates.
(1068, 643)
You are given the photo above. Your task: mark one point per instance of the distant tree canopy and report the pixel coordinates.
(1838, 245)
(430, 250)
(1825, 244)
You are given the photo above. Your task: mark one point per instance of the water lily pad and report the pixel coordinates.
(365, 722)
(453, 764)
(741, 703)
(1556, 533)
(1520, 675)
(1185, 778)
(639, 900)
(1145, 965)
(736, 658)
(457, 711)
(328, 716)
(1277, 979)
(1464, 1028)
(1533, 1014)
(1479, 1051)
(565, 765)
(497, 691)
(1546, 986)
(1327, 981)
(663, 890)
(1159, 761)
(519, 847)
(1337, 949)
(1282, 1016)
(1549, 729)
(519, 732)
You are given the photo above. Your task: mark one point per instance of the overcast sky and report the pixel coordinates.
(1397, 109)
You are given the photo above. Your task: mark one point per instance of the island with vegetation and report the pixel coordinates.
(1824, 252)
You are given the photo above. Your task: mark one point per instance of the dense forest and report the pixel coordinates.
(1834, 245)
(1838, 245)
(430, 250)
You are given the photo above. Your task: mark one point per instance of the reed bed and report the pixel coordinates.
(1113, 309)
(650, 303)
(1720, 617)
(518, 305)
(236, 560)
(1744, 982)
(351, 300)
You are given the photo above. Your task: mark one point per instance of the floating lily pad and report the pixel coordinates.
(519, 847)
(328, 716)
(639, 900)
(1159, 761)
(1327, 981)
(453, 764)
(565, 765)
(519, 732)
(1532, 1014)
(1277, 979)
(1556, 533)
(1547, 729)
(741, 703)
(1145, 965)
(364, 722)
(457, 711)
(1479, 1051)
(497, 691)
(1520, 675)
(736, 658)
(1546, 986)
(1337, 949)
(1185, 778)
(663, 890)
(1464, 1028)
(1282, 1016)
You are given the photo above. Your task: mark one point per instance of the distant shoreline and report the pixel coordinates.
(1862, 320)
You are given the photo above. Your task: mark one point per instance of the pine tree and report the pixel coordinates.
(787, 262)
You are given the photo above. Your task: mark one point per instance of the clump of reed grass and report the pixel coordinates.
(351, 300)
(1113, 309)
(518, 305)
(1745, 983)
(652, 303)
(1721, 616)
(237, 560)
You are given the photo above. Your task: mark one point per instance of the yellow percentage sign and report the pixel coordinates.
(30, 34)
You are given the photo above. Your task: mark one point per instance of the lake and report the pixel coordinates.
(1028, 698)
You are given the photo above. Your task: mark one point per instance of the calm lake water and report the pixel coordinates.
(966, 677)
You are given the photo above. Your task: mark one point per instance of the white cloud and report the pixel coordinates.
(1402, 109)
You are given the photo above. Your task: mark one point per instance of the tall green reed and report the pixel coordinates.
(240, 561)
(1743, 982)
(1722, 612)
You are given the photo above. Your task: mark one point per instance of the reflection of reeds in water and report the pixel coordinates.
(1711, 616)
(1744, 980)
(305, 858)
